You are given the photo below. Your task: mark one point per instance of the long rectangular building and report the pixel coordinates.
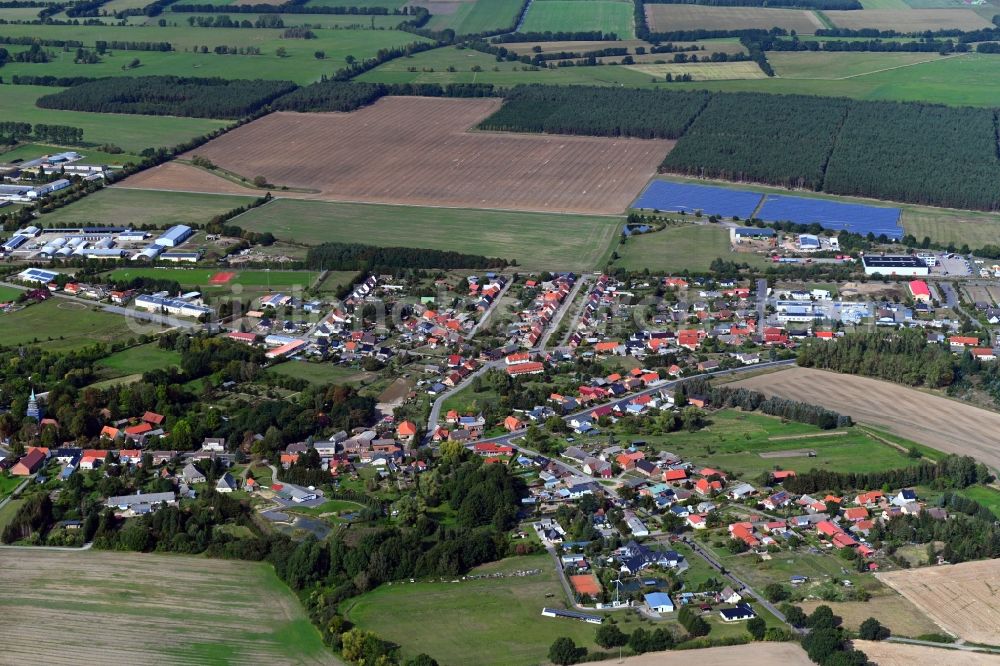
(902, 264)
(175, 306)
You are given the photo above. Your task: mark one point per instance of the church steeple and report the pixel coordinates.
(34, 411)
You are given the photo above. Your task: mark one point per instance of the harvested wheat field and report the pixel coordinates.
(962, 598)
(420, 151)
(891, 609)
(751, 654)
(179, 177)
(695, 17)
(911, 20)
(89, 607)
(882, 653)
(946, 425)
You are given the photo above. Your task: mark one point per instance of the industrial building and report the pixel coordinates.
(37, 275)
(895, 265)
(175, 235)
(29, 193)
(161, 302)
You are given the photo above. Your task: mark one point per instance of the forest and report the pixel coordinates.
(753, 401)
(330, 95)
(900, 151)
(778, 140)
(647, 114)
(354, 256)
(950, 472)
(169, 96)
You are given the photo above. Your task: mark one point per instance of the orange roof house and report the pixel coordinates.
(110, 432)
(406, 429)
(153, 418)
(512, 423)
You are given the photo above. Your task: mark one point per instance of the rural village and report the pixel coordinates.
(612, 331)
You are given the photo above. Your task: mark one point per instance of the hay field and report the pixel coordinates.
(914, 20)
(891, 609)
(692, 17)
(703, 71)
(900, 654)
(751, 654)
(130, 608)
(962, 598)
(419, 151)
(946, 425)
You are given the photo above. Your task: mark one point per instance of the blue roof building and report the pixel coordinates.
(659, 602)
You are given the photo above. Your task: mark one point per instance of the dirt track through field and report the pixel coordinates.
(946, 425)
(962, 598)
(420, 151)
(882, 653)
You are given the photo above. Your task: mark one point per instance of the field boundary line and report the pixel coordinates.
(889, 69)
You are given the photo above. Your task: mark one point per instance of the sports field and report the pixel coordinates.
(419, 151)
(580, 15)
(913, 20)
(120, 206)
(748, 444)
(471, 16)
(62, 608)
(213, 278)
(946, 425)
(491, 621)
(690, 247)
(537, 240)
(128, 132)
(694, 17)
(61, 325)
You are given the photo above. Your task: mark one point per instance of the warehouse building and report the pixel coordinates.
(175, 235)
(175, 306)
(895, 265)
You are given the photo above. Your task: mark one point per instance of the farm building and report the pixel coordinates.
(175, 235)
(573, 615)
(142, 503)
(895, 265)
(37, 275)
(920, 291)
(659, 602)
(29, 463)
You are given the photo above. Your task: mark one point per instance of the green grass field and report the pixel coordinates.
(328, 21)
(985, 495)
(130, 133)
(319, 373)
(836, 66)
(70, 325)
(734, 441)
(144, 207)
(569, 15)
(137, 360)
(8, 294)
(498, 620)
(230, 613)
(30, 151)
(953, 80)
(536, 240)
(477, 16)
(689, 247)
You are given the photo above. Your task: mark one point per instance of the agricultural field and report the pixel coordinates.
(30, 151)
(987, 496)
(136, 361)
(751, 654)
(471, 16)
(418, 151)
(62, 325)
(952, 80)
(694, 17)
(890, 608)
(961, 597)
(914, 20)
(536, 240)
(884, 653)
(176, 176)
(831, 65)
(498, 620)
(702, 71)
(749, 444)
(946, 425)
(230, 612)
(129, 132)
(608, 16)
(326, 21)
(688, 247)
(125, 207)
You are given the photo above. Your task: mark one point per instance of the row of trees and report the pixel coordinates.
(597, 111)
(61, 134)
(169, 96)
(950, 472)
(877, 45)
(751, 401)
(354, 256)
(335, 95)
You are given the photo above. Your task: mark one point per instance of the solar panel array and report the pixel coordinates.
(669, 196)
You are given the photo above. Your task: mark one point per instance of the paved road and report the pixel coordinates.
(489, 313)
(563, 307)
(761, 305)
(435, 416)
(576, 320)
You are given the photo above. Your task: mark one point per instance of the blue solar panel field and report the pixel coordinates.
(856, 218)
(667, 196)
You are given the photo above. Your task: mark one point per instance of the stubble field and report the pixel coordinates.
(900, 654)
(694, 17)
(914, 20)
(946, 425)
(751, 654)
(114, 608)
(962, 598)
(419, 151)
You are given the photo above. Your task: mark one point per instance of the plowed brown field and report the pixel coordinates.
(946, 425)
(177, 177)
(962, 598)
(420, 151)
(69, 608)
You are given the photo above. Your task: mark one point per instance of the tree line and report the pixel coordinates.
(752, 401)
(331, 95)
(169, 96)
(354, 256)
(60, 134)
(952, 471)
(557, 36)
(292, 7)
